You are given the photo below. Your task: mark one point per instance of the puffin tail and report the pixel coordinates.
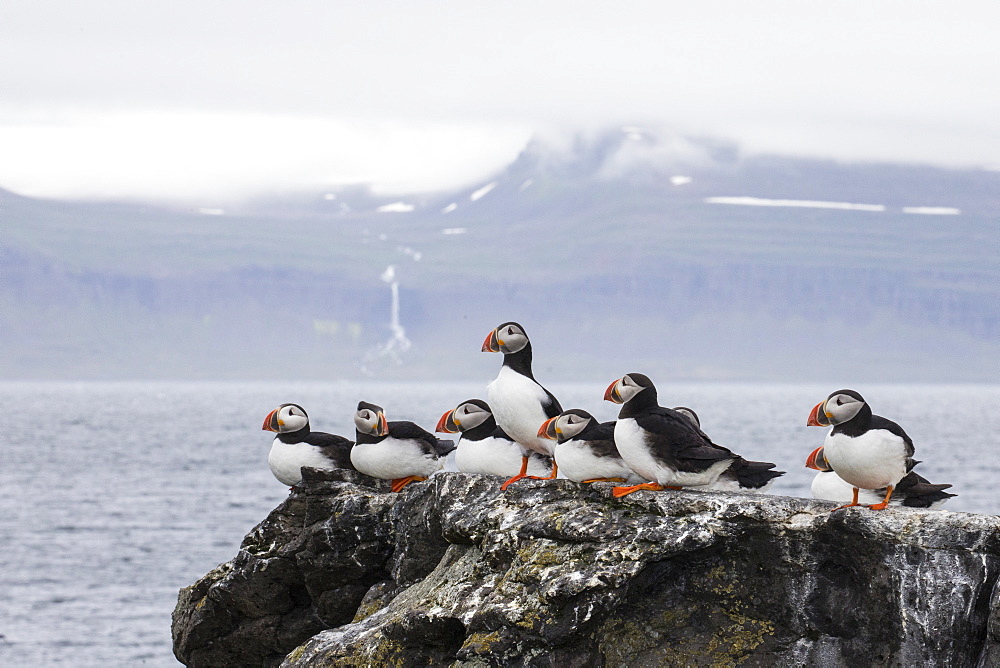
(444, 446)
(753, 476)
(918, 492)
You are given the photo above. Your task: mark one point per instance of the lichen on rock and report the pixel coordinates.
(553, 573)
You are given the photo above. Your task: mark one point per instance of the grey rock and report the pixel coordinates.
(552, 573)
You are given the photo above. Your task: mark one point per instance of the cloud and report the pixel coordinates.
(254, 94)
(225, 156)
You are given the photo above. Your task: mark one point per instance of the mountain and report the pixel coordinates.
(619, 251)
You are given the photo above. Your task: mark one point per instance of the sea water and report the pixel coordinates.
(115, 495)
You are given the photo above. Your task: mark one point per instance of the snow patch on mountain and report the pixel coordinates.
(482, 192)
(804, 203)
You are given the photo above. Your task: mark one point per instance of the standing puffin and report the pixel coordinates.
(296, 445)
(585, 448)
(913, 491)
(483, 446)
(670, 449)
(520, 404)
(867, 451)
(398, 451)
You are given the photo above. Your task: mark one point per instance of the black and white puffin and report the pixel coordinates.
(585, 448)
(295, 445)
(398, 451)
(867, 451)
(484, 447)
(668, 447)
(520, 404)
(913, 491)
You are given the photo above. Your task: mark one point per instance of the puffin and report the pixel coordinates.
(585, 448)
(398, 451)
(295, 445)
(484, 447)
(866, 450)
(913, 491)
(520, 404)
(668, 447)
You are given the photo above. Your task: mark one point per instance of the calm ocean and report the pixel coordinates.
(116, 495)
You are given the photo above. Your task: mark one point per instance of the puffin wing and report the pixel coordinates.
(335, 448)
(429, 443)
(879, 422)
(601, 438)
(683, 446)
(550, 404)
(919, 492)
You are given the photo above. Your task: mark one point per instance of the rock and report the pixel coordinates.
(553, 573)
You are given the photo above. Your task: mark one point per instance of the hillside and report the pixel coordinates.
(626, 250)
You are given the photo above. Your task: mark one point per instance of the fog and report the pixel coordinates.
(211, 102)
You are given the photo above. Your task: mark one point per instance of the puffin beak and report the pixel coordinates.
(382, 426)
(817, 460)
(447, 423)
(611, 394)
(814, 416)
(548, 429)
(491, 344)
(271, 421)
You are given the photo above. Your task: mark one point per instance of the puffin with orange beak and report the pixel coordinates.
(669, 448)
(484, 447)
(520, 404)
(295, 445)
(398, 451)
(913, 491)
(867, 451)
(585, 448)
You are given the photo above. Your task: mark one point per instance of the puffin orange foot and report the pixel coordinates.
(854, 501)
(551, 476)
(885, 501)
(605, 480)
(399, 483)
(619, 492)
(512, 480)
(849, 505)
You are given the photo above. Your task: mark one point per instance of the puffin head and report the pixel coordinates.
(817, 460)
(838, 408)
(507, 338)
(286, 418)
(467, 415)
(628, 386)
(566, 425)
(370, 419)
(690, 415)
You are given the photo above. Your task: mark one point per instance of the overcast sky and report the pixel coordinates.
(218, 98)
